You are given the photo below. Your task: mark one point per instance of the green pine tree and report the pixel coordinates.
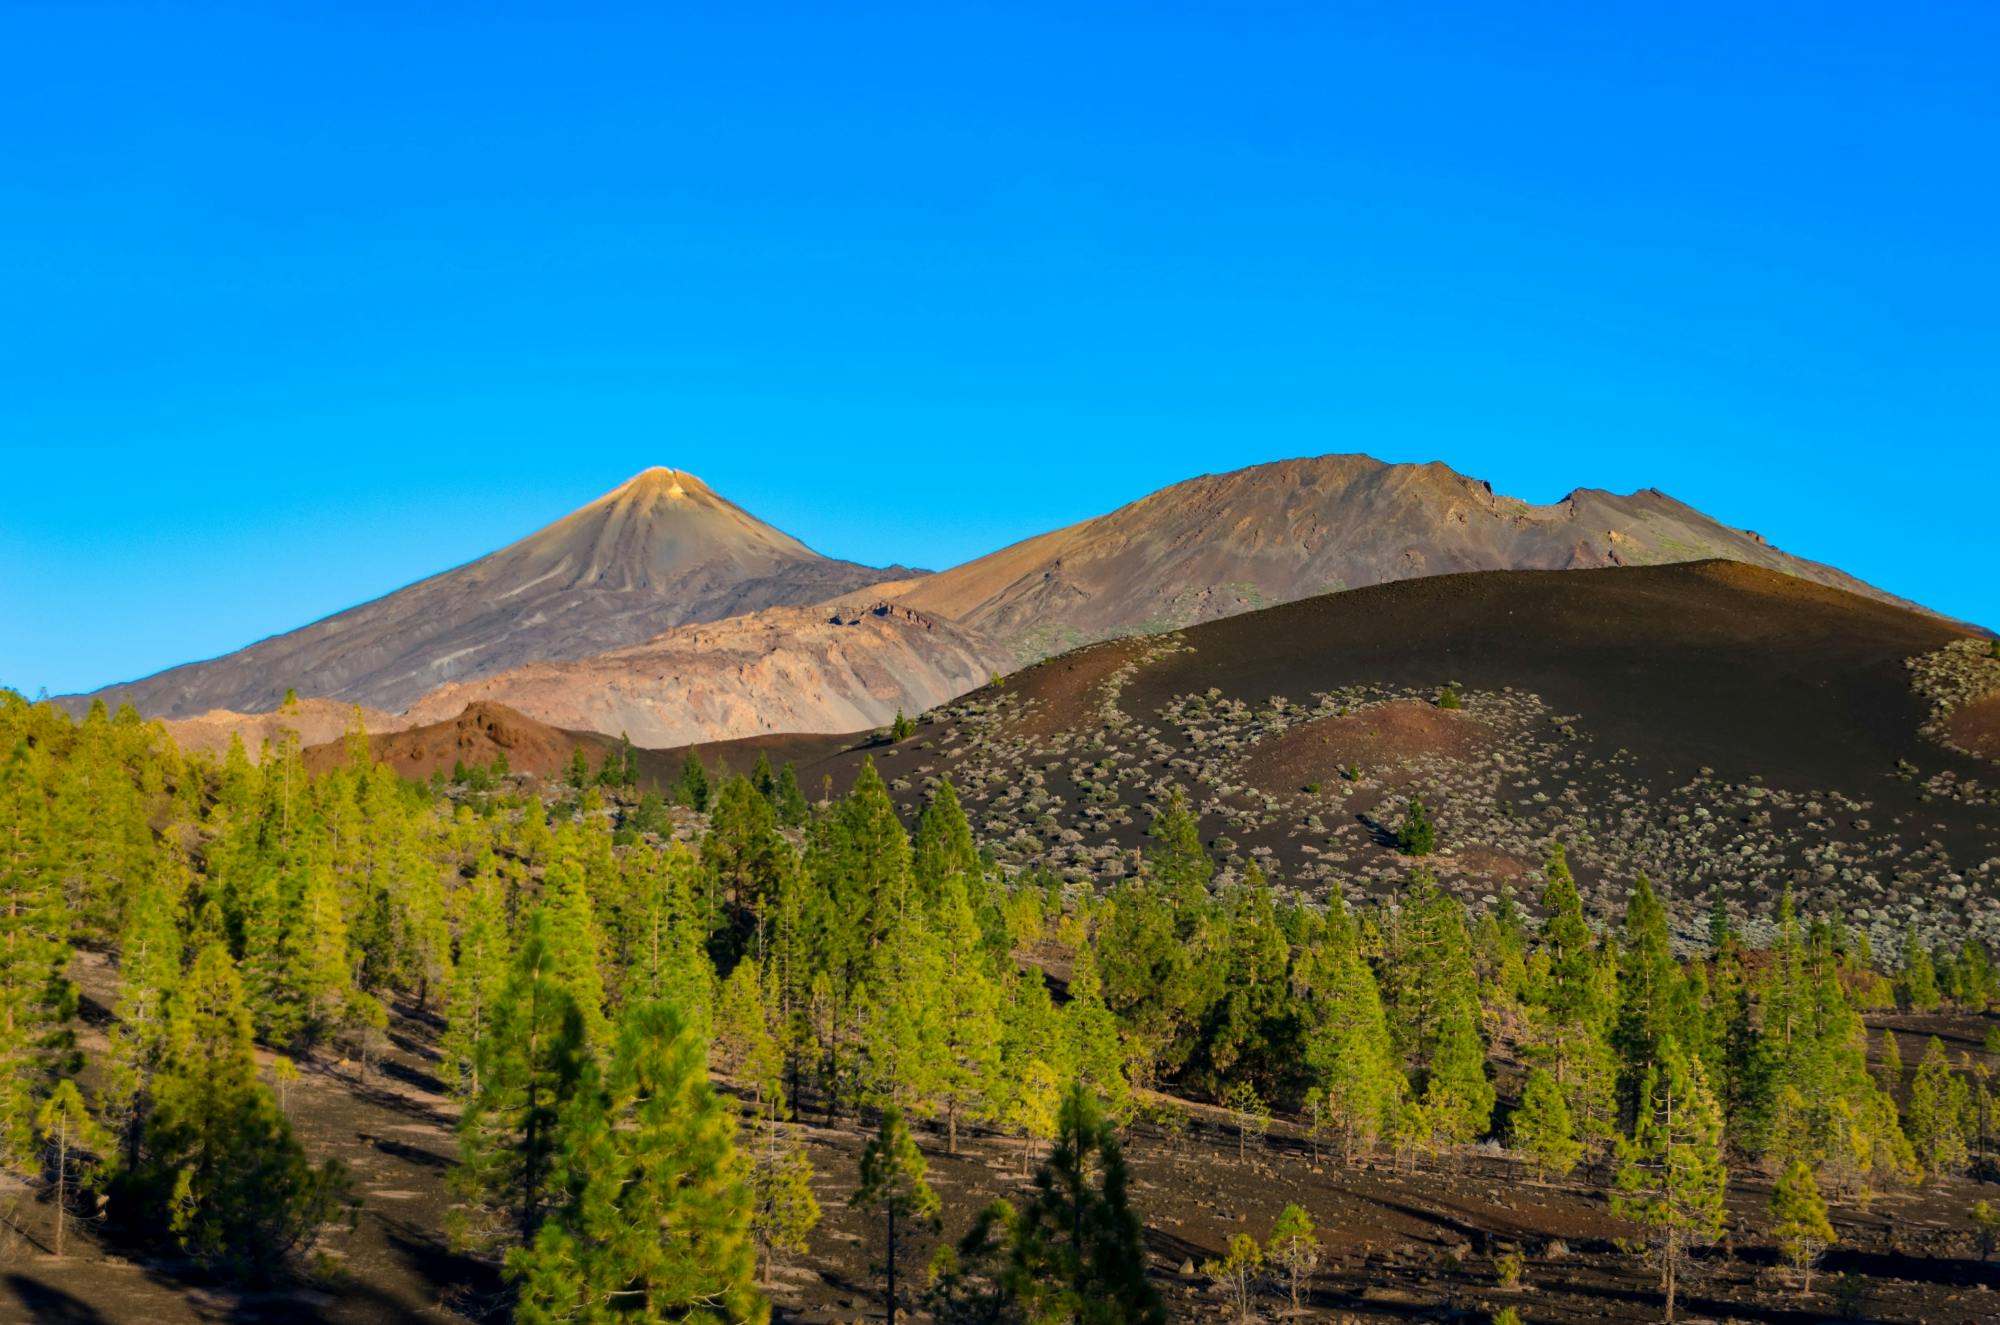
(691, 788)
(654, 1220)
(37, 1001)
(1078, 1251)
(790, 800)
(1671, 1178)
(1799, 1222)
(477, 979)
(219, 1173)
(1294, 1248)
(1543, 1129)
(1936, 1113)
(1347, 1043)
(1418, 835)
(892, 1185)
(784, 1209)
(73, 1146)
(529, 1064)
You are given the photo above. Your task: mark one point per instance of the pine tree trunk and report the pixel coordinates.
(62, 1186)
(892, 1263)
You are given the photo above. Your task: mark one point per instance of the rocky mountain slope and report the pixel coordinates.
(659, 551)
(1227, 543)
(834, 667)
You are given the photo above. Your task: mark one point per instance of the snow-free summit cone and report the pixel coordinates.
(661, 549)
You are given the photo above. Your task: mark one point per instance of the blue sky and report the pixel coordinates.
(300, 303)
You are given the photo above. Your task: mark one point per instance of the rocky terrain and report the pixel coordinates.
(658, 551)
(1716, 726)
(1227, 543)
(834, 667)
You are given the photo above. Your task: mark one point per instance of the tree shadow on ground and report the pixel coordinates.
(49, 1304)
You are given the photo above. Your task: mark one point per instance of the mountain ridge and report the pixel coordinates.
(1219, 543)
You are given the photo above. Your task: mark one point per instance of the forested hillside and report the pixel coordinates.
(642, 1003)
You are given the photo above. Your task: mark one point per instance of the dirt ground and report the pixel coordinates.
(1399, 1245)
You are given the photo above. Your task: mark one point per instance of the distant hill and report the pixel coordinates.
(658, 551)
(476, 736)
(1227, 543)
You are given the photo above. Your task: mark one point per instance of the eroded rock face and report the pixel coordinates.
(832, 667)
(659, 551)
(1227, 543)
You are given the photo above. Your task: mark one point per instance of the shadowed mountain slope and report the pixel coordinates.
(658, 551)
(1227, 543)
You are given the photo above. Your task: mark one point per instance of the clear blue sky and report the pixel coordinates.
(301, 302)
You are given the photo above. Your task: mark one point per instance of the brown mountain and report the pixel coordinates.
(659, 551)
(1228, 543)
(834, 667)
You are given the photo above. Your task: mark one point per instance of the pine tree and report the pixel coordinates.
(1936, 1113)
(575, 947)
(220, 1172)
(654, 1221)
(764, 780)
(1889, 1068)
(317, 982)
(1418, 835)
(1672, 1179)
(784, 1209)
(477, 979)
(943, 860)
(892, 1185)
(1916, 984)
(1236, 1272)
(1177, 861)
(1568, 1012)
(1249, 1031)
(790, 800)
(530, 1063)
(1799, 1221)
(149, 969)
(1092, 1048)
(1435, 1010)
(1294, 1248)
(743, 858)
(71, 1139)
(1647, 986)
(36, 998)
(1543, 1129)
(747, 1040)
(1347, 1042)
(691, 788)
(1078, 1250)
(965, 1081)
